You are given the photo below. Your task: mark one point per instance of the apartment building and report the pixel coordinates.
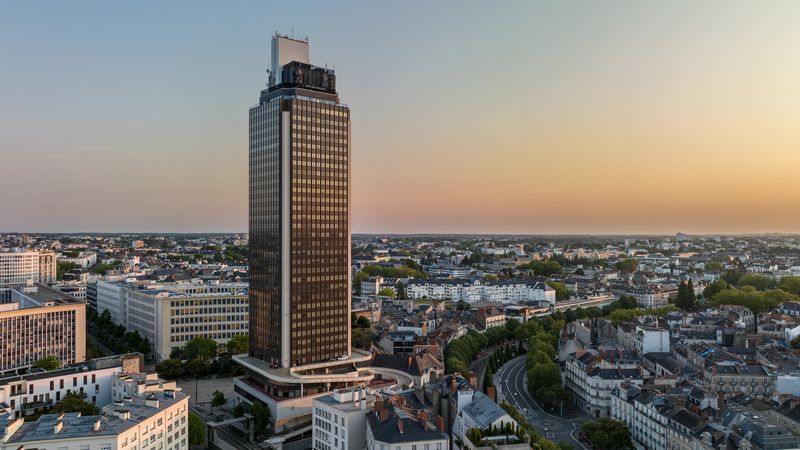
(339, 419)
(23, 266)
(37, 322)
(172, 314)
(156, 417)
(83, 260)
(37, 391)
(481, 291)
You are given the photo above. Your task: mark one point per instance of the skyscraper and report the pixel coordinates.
(299, 213)
(299, 240)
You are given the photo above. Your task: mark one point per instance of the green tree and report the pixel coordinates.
(48, 363)
(201, 348)
(475, 436)
(562, 292)
(714, 266)
(607, 433)
(75, 402)
(760, 282)
(402, 293)
(362, 322)
(543, 375)
(197, 430)
(238, 344)
(357, 279)
(170, 369)
(732, 276)
(261, 417)
(628, 265)
(387, 292)
(217, 399)
(686, 298)
(628, 302)
(791, 284)
(714, 288)
(543, 268)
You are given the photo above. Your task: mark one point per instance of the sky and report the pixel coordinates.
(540, 117)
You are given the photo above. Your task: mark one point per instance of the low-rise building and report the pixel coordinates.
(339, 420)
(38, 390)
(155, 417)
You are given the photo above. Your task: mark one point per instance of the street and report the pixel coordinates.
(510, 380)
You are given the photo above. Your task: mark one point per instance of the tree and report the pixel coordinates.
(201, 348)
(462, 305)
(362, 322)
(760, 282)
(686, 298)
(197, 430)
(543, 268)
(217, 399)
(628, 302)
(714, 288)
(607, 433)
(791, 284)
(628, 265)
(75, 402)
(475, 436)
(402, 293)
(238, 344)
(732, 276)
(562, 292)
(47, 363)
(387, 292)
(261, 416)
(197, 368)
(170, 369)
(240, 409)
(543, 375)
(714, 266)
(357, 279)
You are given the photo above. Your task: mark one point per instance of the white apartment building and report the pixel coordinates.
(20, 267)
(339, 419)
(84, 260)
(35, 393)
(36, 322)
(592, 380)
(156, 418)
(170, 315)
(480, 291)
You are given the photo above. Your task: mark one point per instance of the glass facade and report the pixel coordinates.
(315, 196)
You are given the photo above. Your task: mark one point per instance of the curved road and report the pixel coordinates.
(511, 381)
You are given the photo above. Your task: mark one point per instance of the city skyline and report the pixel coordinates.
(603, 119)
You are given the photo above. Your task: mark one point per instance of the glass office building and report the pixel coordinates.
(299, 214)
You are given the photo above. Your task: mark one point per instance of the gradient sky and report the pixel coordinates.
(506, 117)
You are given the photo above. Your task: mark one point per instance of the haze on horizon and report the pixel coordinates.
(541, 117)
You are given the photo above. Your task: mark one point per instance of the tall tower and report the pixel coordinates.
(299, 214)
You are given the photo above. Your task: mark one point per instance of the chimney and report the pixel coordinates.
(410, 360)
(422, 416)
(453, 383)
(384, 415)
(400, 424)
(58, 426)
(97, 425)
(439, 423)
(473, 380)
(363, 396)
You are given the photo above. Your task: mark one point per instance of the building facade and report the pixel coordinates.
(37, 322)
(20, 267)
